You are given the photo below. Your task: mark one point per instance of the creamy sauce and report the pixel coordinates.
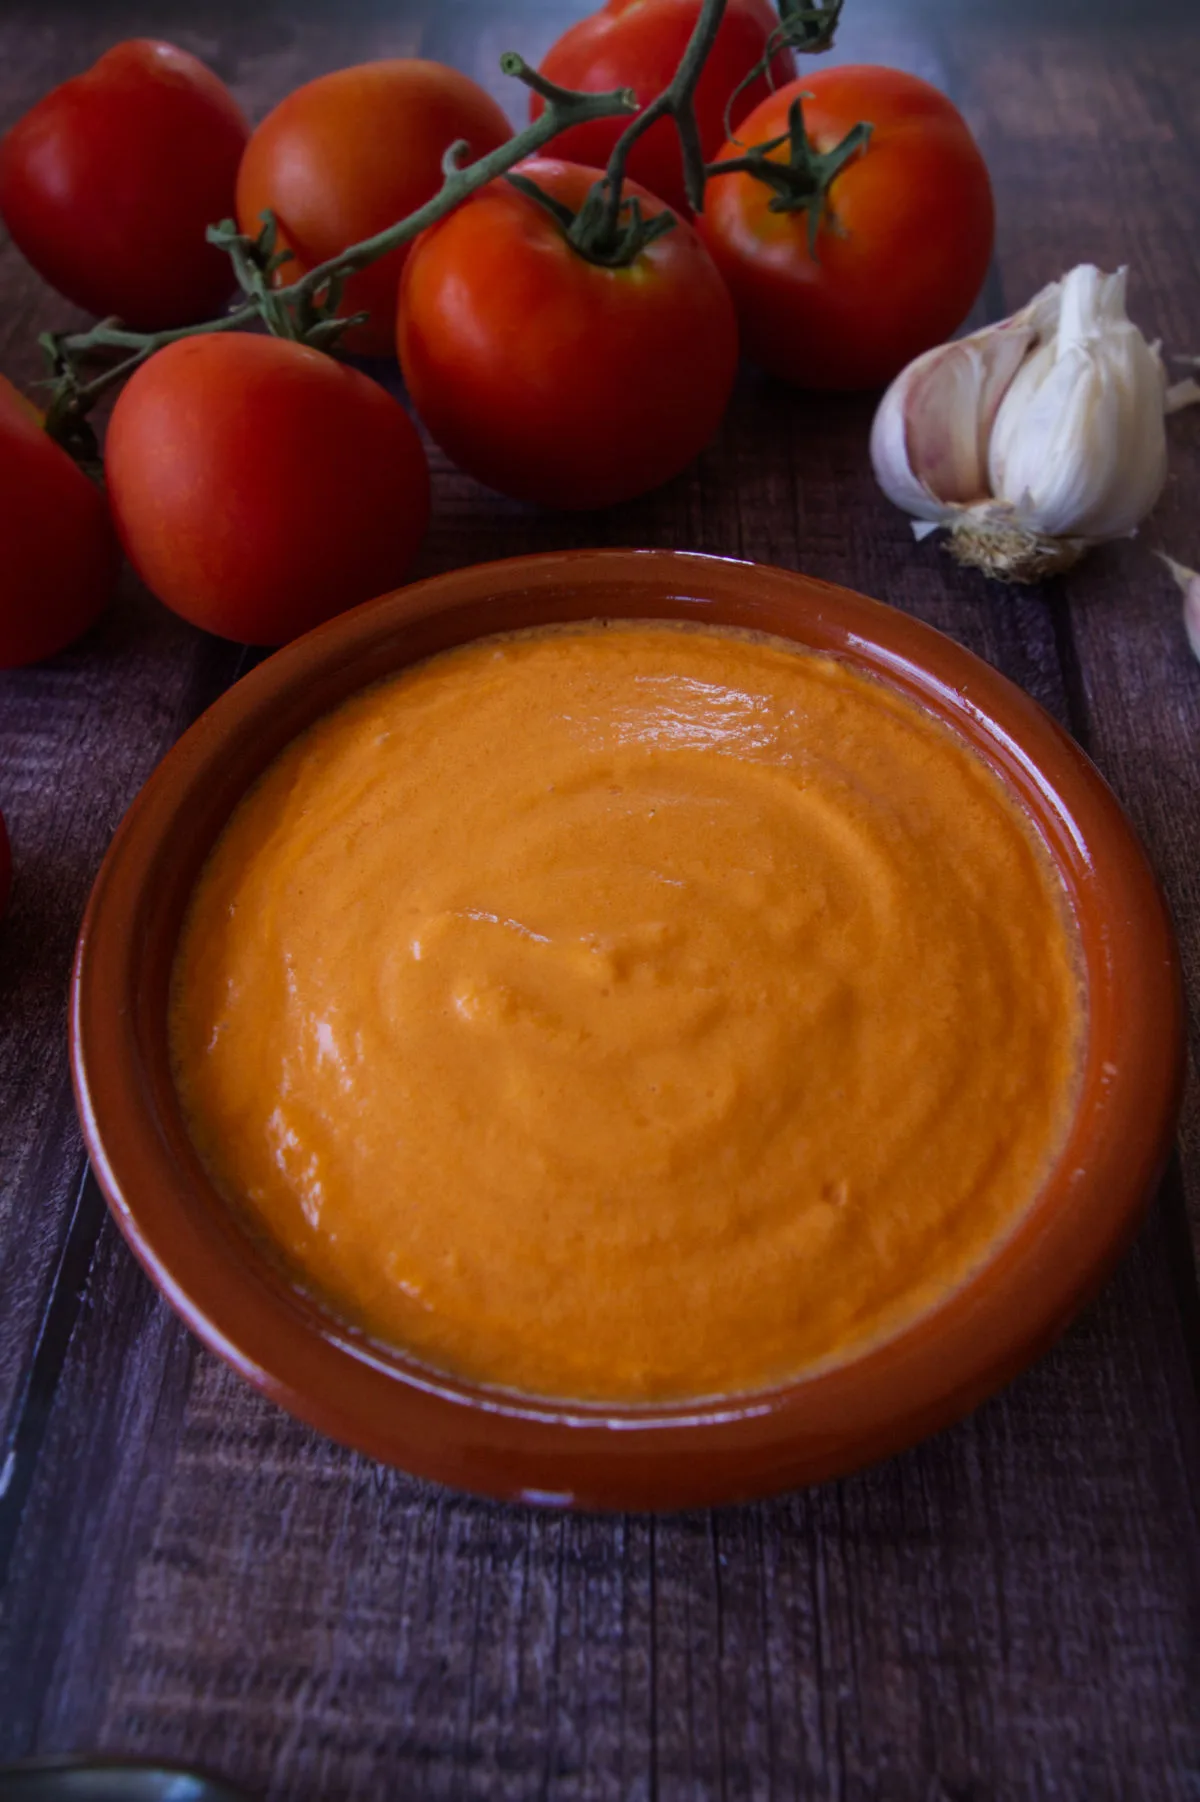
(628, 1013)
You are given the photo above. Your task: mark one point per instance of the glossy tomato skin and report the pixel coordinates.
(553, 379)
(899, 269)
(638, 44)
(109, 183)
(349, 154)
(260, 487)
(60, 555)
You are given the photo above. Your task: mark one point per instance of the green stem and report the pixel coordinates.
(806, 30)
(564, 108)
(802, 182)
(609, 229)
(677, 101)
(110, 336)
(72, 399)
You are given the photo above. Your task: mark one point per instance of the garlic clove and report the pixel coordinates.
(890, 457)
(936, 419)
(1079, 446)
(1035, 461)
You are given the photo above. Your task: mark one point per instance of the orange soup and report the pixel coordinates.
(628, 1012)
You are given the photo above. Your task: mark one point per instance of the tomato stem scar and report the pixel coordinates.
(802, 182)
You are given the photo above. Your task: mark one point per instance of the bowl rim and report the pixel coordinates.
(828, 1421)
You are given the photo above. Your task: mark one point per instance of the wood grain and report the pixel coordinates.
(1008, 1611)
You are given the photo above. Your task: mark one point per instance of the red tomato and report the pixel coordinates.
(903, 247)
(110, 181)
(351, 153)
(5, 867)
(638, 44)
(60, 555)
(550, 377)
(261, 487)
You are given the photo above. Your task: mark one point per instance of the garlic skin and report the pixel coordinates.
(1034, 438)
(1188, 581)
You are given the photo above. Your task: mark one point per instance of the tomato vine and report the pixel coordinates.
(612, 230)
(609, 228)
(304, 310)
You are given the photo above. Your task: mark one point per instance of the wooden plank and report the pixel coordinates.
(1001, 1612)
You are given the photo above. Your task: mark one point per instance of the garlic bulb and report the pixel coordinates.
(1034, 438)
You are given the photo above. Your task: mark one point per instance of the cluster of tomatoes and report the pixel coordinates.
(259, 486)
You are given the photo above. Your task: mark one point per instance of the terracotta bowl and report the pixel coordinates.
(241, 1305)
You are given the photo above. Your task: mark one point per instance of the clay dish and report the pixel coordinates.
(239, 1302)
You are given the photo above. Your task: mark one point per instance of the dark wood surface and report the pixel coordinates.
(1009, 1611)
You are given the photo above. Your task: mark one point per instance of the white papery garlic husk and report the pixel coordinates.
(1188, 581)
(1034, 438)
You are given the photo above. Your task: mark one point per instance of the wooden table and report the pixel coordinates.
(1008, 1611)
